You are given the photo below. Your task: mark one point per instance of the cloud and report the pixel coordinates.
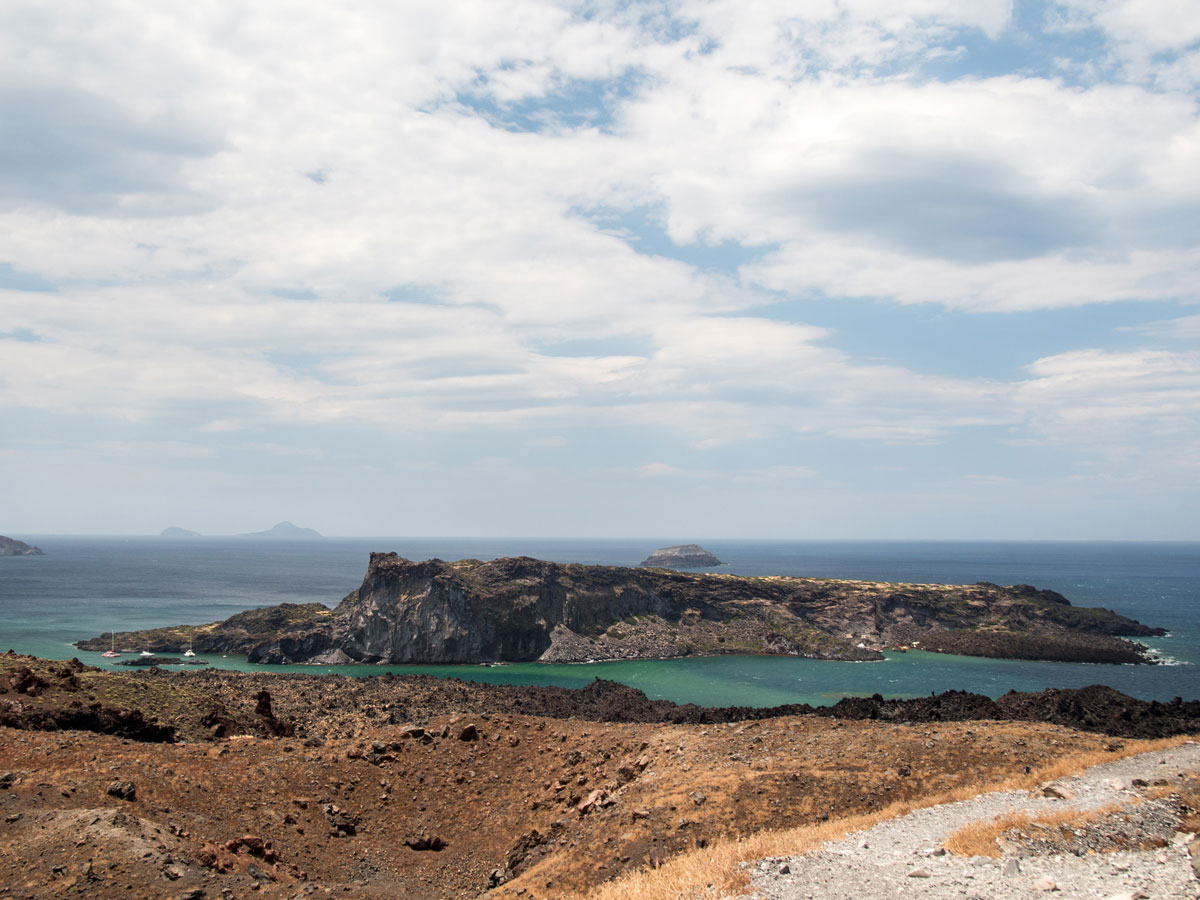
(82, 152)
(1186, 328)
(1144, 402)
(531, 224)
(945, 209)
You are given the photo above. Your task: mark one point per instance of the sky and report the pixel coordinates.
(825, 269)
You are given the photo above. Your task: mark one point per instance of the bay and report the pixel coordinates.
(84, 586)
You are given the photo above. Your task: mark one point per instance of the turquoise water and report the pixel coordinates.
(85, 586)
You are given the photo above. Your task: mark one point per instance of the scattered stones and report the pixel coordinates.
(1115, 849)
(341, 823)
(469, 733)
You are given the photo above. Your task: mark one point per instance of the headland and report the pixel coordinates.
(524, 609)
(13, 547)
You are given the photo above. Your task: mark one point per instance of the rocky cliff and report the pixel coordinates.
(683, 556)
(13, 547)
(528, 609)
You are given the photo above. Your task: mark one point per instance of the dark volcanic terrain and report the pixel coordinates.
(207, 783)
(528, 609)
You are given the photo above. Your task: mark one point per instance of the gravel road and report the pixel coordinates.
(902, 857)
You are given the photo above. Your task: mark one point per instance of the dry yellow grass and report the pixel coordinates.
(716, 870)
(983, 838)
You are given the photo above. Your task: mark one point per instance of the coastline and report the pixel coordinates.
(521, 609)
(88, 585)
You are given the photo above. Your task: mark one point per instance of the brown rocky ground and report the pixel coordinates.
(289, 786)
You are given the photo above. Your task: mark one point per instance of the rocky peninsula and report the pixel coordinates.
(12, 547)
(523, 609)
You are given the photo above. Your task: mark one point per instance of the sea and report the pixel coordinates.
(86, 586)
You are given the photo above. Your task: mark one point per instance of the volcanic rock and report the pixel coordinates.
(523, 609)
(123, 790)
(681, 556)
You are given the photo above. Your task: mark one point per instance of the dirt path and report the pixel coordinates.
(902, 858)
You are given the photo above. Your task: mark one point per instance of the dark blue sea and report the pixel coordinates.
(85, 586)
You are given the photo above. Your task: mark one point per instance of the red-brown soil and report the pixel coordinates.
(416, 788)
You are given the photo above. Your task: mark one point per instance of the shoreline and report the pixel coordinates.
(521, 609)
(1095, 707)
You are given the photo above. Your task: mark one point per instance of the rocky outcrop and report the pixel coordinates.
(12, 547)
(682, 556)
(527, 609)
(237, 634)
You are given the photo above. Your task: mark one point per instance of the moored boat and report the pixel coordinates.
(111, 652)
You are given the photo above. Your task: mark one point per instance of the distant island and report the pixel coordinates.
(282, 531)
(523, 609)
(285, 530)
(681, 556)
(12, 547)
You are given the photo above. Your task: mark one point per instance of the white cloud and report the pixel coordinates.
(1117, 406)
(1184, 328)
(161, 183)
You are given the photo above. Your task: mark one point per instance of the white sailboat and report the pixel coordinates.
(111, 652)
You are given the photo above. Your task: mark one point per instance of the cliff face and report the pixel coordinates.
(683, 556)
(13, 547)
(528, 609)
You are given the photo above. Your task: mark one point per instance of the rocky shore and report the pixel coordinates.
(681, 556)
(202, 703)
(523, 609)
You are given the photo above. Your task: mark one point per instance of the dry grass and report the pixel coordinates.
(983, 838)
(716, 870)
